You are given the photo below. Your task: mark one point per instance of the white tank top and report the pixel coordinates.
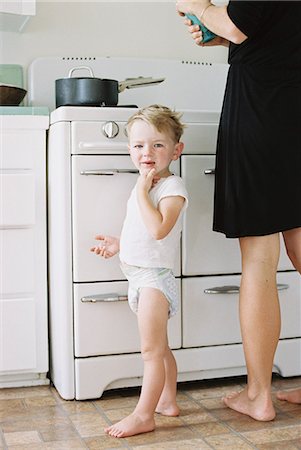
(137, 246)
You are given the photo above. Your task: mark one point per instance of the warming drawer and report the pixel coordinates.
(104, 324)
(210, 309)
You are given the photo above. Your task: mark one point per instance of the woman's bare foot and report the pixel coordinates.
(258, 408)
(168, 409)
(131, 425)
(290, 396)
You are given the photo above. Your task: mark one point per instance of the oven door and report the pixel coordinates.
(101, 186)
(204, 251)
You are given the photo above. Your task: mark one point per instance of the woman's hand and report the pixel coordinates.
(108, 247)
(197, 36)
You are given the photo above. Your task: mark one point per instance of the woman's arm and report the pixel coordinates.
(215, 18)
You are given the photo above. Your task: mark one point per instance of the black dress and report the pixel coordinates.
(258, 165)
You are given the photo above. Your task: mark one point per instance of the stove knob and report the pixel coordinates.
(110, 129)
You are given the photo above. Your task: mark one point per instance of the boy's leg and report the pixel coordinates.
(167, 404)
(152, 321)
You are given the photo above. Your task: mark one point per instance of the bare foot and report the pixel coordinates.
(131, 425)
(168, 409)
(258, 408)
(290, 396)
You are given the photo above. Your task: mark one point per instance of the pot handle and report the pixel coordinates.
(79, 68)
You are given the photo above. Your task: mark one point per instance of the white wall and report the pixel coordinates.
(137, 29)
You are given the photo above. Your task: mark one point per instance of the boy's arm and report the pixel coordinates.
(160, 221)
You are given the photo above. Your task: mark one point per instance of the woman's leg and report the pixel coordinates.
(152, 321)
(292, 239)
(167, 404)
(260, 324)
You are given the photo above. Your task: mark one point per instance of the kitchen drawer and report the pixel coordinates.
(18, 348)
(18, 199)
(212, 318)
(21, 149)
(17, 261)
(110, 327)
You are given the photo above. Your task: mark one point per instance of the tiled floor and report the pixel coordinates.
(37, 418)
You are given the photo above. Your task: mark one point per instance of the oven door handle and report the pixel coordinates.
(112, 297)
(108, 172)
(235, 289)
(101, 146)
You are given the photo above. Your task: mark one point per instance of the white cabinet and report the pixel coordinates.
(23, 280)
(15, 14)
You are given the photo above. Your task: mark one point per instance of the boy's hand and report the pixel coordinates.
(108, 247)
(147, 180)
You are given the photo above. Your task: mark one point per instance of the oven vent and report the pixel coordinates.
(78, 58)
(197, 63)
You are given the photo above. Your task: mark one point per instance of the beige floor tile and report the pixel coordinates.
(104, 442)
(225, 413)
(187, 404)
(197, 417)
(76, 407)
(284, 445)
(50, 412)
(210, 428)
(116, 403)
(191, 444)
(11, 404)
(17, 425)
(274, 435)
(213, 392)
(114, 415)
(22, 437)
(245, 423)
(89, 425)
(161, 435)
(59, 445)
(37, 402)
(48, 423)
(286, 383)
(281, 405)
(36, 391)
(213, 403)
(59, 434)
(228, 442)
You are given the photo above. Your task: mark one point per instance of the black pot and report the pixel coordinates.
(91, 91)
(86, 91)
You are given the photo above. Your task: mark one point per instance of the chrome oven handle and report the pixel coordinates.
(108, 172)
(209, 171)
(112, 297)
(101, 146)
(222, 290)
(235, 289)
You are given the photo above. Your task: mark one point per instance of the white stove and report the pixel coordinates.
(93, 333)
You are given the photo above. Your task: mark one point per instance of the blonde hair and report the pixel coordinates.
(162, 118)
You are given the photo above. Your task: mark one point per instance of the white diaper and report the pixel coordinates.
(158, 278)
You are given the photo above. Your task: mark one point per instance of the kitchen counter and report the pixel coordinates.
(24, 111)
